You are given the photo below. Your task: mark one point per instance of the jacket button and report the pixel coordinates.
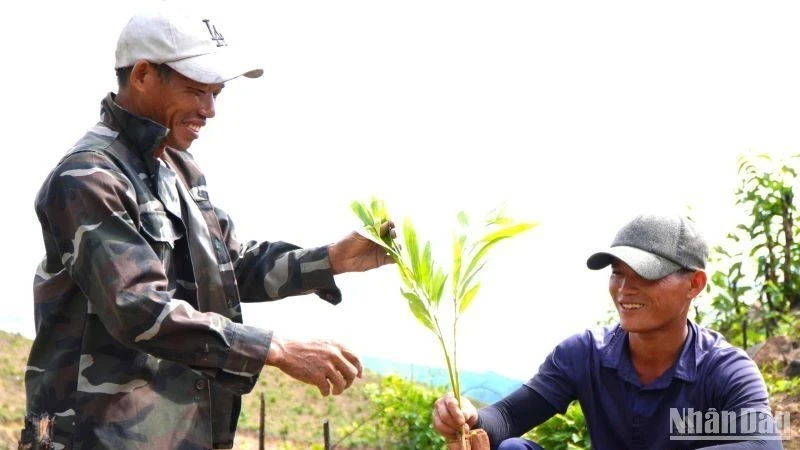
(200, 385)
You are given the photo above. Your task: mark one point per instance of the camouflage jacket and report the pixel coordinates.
(139, 336)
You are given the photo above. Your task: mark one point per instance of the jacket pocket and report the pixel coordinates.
(161, 233)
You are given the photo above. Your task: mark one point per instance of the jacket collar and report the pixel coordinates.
(142, 134)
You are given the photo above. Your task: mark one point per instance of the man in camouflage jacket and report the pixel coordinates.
(139, 336)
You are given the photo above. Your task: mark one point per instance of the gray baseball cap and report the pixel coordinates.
(655, 246)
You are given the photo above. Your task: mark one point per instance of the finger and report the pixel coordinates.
(447, 418)
(469, 411)
(324, 386)
(440, 427)
(352, 359)
(387, 259)
(387, 228)
(346, 371)
(446, 423)
(337, 381)
(454, 412)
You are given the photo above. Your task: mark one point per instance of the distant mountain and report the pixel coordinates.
(487, 387)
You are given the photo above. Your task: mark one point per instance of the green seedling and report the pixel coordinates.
(424, 282)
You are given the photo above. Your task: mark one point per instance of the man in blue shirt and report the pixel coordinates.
(655, 380)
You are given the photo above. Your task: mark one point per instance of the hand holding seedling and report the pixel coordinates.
(449, 418)
(356, 253)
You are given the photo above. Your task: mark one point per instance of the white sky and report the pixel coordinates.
(575, 114)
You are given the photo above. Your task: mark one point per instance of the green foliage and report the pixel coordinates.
(424, 281)
(401, 418)
(777, 382)
(563, 431)
(756, 291)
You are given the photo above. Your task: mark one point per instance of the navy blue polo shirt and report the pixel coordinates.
(595, 368)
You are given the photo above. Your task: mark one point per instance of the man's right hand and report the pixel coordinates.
(327, 365)
(449, 420)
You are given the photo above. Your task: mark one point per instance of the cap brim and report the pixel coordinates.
(648, 265)
(215, 68)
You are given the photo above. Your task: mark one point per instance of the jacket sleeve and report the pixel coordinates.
(517, 413)
(274, 270)
(558, 376)
(93, 217)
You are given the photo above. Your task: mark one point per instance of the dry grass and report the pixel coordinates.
(13, 357)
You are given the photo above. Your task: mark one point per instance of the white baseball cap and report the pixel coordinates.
(191, 45)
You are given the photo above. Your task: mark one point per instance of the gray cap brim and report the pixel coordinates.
(648, 265)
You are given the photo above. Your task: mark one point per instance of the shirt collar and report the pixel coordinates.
(615, 354)
(143, 134)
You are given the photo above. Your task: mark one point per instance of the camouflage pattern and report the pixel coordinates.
(139, 336)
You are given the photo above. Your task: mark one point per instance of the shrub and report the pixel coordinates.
(563, 431)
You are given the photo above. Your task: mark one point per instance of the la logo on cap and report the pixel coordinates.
(215, 35)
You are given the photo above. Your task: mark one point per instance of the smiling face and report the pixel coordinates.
(653, 305)
(171, 99)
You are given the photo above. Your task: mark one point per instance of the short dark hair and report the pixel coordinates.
(124, 73)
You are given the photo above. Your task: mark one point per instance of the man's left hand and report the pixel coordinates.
(355, 253)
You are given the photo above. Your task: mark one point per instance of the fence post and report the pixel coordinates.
(326, 431)
(262, 426)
